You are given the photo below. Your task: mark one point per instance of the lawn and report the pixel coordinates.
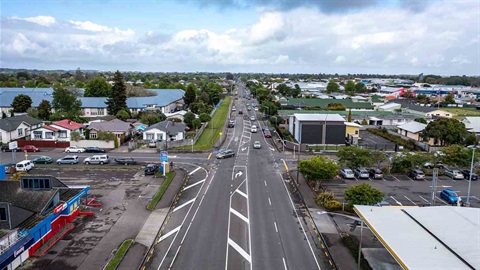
(117, 258)
(461, 112)
(211, 133)
(160, 191)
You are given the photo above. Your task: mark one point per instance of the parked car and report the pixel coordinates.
(94, 150)
(225, 154)
(416, 174)
(466, 175)
(375, 173)
(234, 108)
(431, 165)
(24, 166)
(257, 145)
(30, 148)
(42, 160)
(152, 144)
(74, 149)
(254, 129)
(361, 173)
(231, 123)
(454, 174)
(449, 195)
(68, 160)
(267, 134)
(252, 118)
(347, 173)
(151, 169)
(97, 159)
(126, 160)
(6, 149)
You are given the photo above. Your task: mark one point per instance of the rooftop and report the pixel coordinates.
(11, 123)
(113, 125)
(68, 124)
(168, 126)
(413, 127)
(323, 103)
(319, 117)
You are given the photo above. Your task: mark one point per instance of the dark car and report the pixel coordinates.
(6, 149)
(225, 153)
(240, 111)
(267, 134)
(42, 160)
(151, 169)
(466, 175)
(94, 150)
(126, 160)
(375, 173)
(231, 123)
(416, 174)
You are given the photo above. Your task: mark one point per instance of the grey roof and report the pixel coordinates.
(168, 126)
(163, 98)
(437, 237)
(413, 126)
(11, 123)
(93, 102)
(32, 200)
(116, 125)
(414, 107)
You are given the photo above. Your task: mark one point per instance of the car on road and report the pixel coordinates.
(416, 174)
(257, 145)
(454, 174)
(267, 134)
(42, 160)
(249, 108)
(431, 165)
(254, 129)
(240, 111)
(361, 173)
(225, 154)
(347, 173)
(126, 160)
(152, 144)
(94, 150)
(151, 169)
(68, 160)
(30, 148)
(24, 166)
(375, 173)
(74, 149)
(234, 108)
(449, 195)
(466, 175)
(231, 123)
(97, 159)
(6, 149)
(252, 118)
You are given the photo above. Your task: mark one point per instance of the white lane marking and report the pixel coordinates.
(441, 200)
(242, 217)
(276, 229)
(240, 250)
(194, 184)
(183, 205)
(424, 199)
(241, 193)
(299, 222)
(238, 174)
(284, 264)
(194, 171)
(409, 200)
(270, 202)
(399, 203)
(174, 257)
(168, 234)
(265, 182)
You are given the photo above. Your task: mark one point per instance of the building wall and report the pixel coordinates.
(94, 112)
(321, 133)
(352, 130)
(154, 134)
(440, 113)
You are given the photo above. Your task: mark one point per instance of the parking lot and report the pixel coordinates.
(401, 190)
(372, 141)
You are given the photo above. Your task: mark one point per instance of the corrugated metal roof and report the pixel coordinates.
(413, 127)
(319, 117)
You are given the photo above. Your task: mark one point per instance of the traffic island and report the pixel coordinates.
(119, 254)
(161, 190)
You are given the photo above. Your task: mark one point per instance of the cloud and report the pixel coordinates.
(90, 26)
(41, 20)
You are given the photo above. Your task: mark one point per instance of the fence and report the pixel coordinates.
(43, 144)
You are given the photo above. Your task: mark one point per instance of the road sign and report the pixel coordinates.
(12, 145)
(164, 156)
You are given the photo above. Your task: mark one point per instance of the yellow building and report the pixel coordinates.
(352, 129)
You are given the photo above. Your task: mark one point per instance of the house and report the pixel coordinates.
(472, 123)
(45, 133)
(94, 106)
(165, 130)
(413, 131)
(116, 126)
(352, 130)
(66, 127)
(17, 127)
(423, 110)
(178, 114)
(389, 107)
(318, 128)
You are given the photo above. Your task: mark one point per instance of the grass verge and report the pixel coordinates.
(117, 258)
(160, 191)
(461, 112)
(211, 133)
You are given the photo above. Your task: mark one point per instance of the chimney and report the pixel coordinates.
(69, 122)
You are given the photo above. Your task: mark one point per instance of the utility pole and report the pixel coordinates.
(434, 186)
(470, 179)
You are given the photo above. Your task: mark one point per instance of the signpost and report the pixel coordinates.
(13, 146)
(164, 160)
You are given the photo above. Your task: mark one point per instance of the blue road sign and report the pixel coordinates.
(164, 156)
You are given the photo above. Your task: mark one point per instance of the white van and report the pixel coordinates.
(24, 166)
(97, 159)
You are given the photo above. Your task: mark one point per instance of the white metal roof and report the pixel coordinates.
(413, 126)
(438, 237)
(318, 117)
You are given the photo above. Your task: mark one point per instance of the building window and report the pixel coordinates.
(37, 134)
(150, 136)
(48, 135)
(3, 214)
(36, 183)
(356, 132)
(20, 132)
(93, 135)
(62, 133)
(447, 114)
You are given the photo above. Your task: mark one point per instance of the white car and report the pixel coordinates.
(74, 149)
(257, 145)
(253, 129)
(347, 173)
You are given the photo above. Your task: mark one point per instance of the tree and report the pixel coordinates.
(360, 88)
(190, 94)
(295, 92)
(188, 119)
(420, 120)
(363, 194)
(471, 139)
(318, 168)
(196, 123)
(65, 102)
(44, 110)
(335, 107)
(4, 115)
(364, 122)
(283, 89)
(151, 118)
(445, 131)
(75, 136)
(205, 117)
(350, 88)
(349, 119)
(354, 157)
(33, 112)
(106, 136)
(332, 87)
(98, 87)
(378, 157)
(123, 115)
(21, 103)
(458, 156)
(269, 108)
(118, 95)
(449, 99)
(204, 97)
(407, 161)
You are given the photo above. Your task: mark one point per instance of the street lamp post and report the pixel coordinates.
(192, 145)
(470, 178)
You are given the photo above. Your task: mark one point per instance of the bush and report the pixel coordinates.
(204, 117)
(382, 132)
(324, 196)
(333, 205)
(349, 208)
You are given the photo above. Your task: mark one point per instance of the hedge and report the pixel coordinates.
(382, 132)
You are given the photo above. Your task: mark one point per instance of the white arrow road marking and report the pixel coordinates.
(245, 148)
(238, 174)
(399, 203)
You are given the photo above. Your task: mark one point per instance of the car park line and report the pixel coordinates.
(409, 200)
(399, 203)
(441, 200)
(424, 199)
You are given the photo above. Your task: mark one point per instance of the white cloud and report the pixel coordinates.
(90, 26)
(41, 20)
(340, 59)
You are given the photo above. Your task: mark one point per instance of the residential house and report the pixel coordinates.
(116, 126)
(178, 114)
(423, 110)
(413, 131)
(45, 133)
(94, 106)
(17, 127)
(318, 128)
(66, 127)
(472, 123)
(389, 107)
(165, 130)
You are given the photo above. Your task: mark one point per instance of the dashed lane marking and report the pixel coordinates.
(209, 155)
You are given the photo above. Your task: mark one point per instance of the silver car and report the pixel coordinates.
(347, 173)
(454, 174)
(361, 173)
(257, 145)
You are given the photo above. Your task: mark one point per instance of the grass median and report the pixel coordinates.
(161, 190)
(118, 257)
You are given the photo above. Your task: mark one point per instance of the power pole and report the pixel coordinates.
(434, 185)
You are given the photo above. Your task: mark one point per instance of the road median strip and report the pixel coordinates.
(161, 190)
(119, 254)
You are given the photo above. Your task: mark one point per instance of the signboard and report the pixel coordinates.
(164, 156)
(60, 208)
(12, 145)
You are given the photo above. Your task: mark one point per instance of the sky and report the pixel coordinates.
(266, 36)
